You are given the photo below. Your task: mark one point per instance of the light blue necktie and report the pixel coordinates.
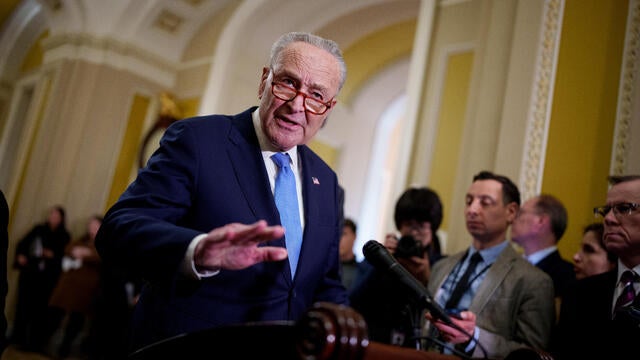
(287, 202)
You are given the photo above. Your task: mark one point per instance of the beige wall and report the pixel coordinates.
(584, 111)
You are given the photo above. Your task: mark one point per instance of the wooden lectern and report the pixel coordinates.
(326, 332)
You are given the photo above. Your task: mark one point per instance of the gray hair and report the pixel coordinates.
(315, 40)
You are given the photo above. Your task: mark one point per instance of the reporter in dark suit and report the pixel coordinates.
(540, 224)
(590, 327)
(200, 222)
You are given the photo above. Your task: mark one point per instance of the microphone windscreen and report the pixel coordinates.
(377, 254)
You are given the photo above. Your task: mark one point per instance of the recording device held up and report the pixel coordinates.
(408, 246)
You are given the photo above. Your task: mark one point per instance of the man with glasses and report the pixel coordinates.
(601, 317)
(216, 231)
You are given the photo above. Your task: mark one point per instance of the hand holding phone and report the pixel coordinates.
(455, 312)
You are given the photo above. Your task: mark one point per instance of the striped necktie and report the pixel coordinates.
(628, 293)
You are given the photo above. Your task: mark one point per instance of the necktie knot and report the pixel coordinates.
(628, 277)
(281, 160)
(475, 258)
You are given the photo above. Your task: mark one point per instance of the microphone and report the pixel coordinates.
(380, 258)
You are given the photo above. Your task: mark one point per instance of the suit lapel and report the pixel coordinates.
(311, 194)
(495, 276)
(448, 264)
(246, 159)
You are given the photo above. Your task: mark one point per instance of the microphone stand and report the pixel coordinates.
(414, 312)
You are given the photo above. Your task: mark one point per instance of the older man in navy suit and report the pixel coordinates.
(539, 226)
(594, 324)
(201, 223)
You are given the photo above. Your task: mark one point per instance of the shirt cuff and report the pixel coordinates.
(472, 344)
(189, 265)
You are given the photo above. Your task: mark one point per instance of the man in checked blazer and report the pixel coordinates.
(508, 303)
(200, 222)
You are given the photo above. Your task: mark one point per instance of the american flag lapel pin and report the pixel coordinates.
(315, 180)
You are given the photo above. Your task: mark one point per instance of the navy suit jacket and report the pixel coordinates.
(209, 172)
(560, 270)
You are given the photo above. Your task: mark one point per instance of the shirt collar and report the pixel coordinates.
(541, 254)
(490, 255)
(622, 268)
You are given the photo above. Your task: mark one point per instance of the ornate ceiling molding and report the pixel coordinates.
(110, 52)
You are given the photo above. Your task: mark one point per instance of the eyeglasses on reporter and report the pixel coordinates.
(624, 208)
(288, 93)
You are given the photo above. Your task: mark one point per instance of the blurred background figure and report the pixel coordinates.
(417, 216)
(39, 260)
(110, 329)
(600, 317)
(593, 258)
(538, 227)
(347, 257)
(391, 311)
(74, 296)
(4, 244)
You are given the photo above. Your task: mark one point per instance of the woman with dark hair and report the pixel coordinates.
(593, 258)
(39, 260)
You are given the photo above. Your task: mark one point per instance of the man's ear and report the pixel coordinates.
(545, 219)
(263, 81)
(512, 212)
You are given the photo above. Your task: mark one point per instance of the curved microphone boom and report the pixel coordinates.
(381, 259)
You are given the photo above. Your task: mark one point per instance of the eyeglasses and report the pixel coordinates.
(288, 93)
(414, 225)
(618, 209)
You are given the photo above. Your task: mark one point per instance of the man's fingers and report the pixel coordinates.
(244, 235)
(272, 253)
(254, 233)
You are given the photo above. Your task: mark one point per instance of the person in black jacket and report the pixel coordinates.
(591, 324)
(39, 260)
(391, 311)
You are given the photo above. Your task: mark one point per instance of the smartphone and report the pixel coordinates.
(455, 312)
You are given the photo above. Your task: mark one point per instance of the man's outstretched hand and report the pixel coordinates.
(235, 246)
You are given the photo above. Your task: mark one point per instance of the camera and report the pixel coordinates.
(407, 247)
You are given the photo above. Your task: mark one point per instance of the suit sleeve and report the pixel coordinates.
(142, 230)
(534, 310)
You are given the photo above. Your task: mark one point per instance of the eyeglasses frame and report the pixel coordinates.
(602, 211)
(305, 96)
